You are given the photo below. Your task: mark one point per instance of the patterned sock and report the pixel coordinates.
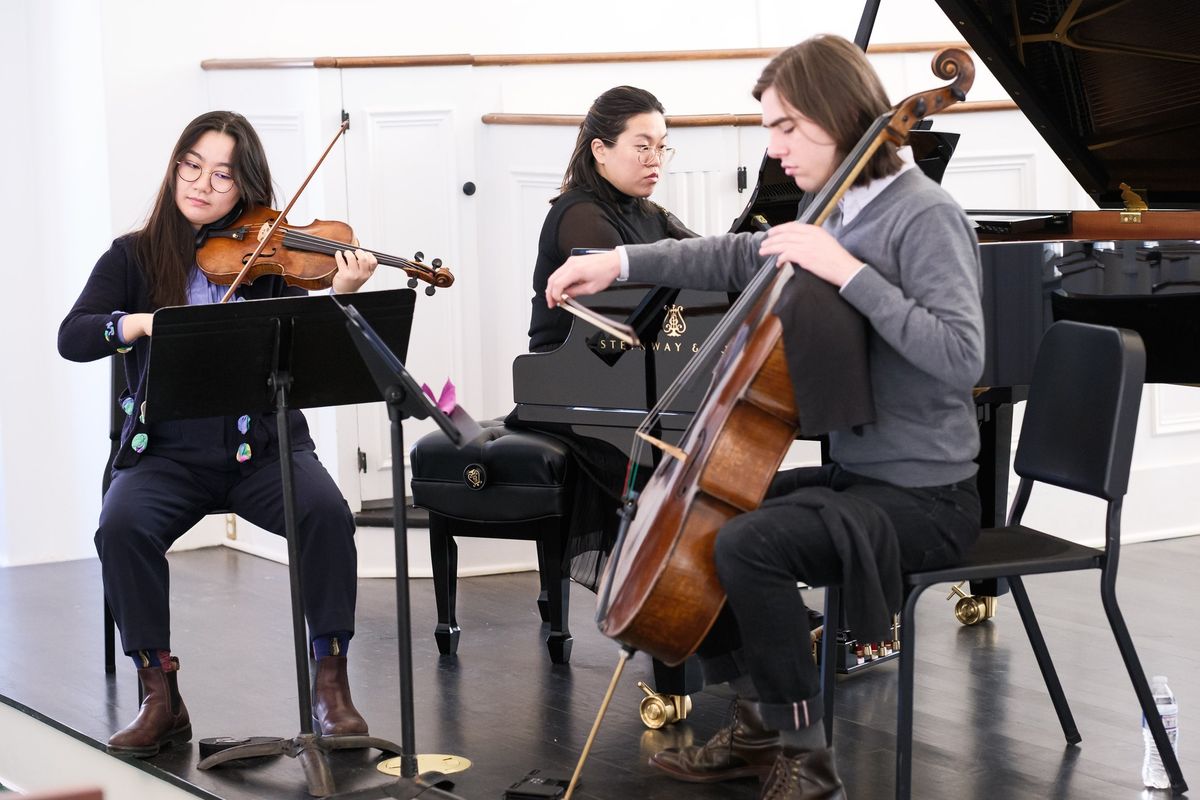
(332, 644)
(150, 658)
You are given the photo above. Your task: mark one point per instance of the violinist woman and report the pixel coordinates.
(167, 476)
(620, 155)
(902, 253)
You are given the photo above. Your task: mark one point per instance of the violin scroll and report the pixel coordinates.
(435, 274)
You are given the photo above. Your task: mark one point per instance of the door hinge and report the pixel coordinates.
(362, 461)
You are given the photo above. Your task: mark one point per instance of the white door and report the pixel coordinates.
(409, 153)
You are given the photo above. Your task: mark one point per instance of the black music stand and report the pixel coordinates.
(404, 399)
(272, 355)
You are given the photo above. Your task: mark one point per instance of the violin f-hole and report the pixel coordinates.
(264, 254)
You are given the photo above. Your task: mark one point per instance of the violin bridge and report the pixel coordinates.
(669, 449)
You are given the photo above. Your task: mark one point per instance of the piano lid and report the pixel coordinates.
(1113, 86)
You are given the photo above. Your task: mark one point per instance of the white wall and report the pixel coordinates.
(55, 207)
(95, 92)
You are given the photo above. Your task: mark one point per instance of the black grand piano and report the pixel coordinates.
(1115, 89)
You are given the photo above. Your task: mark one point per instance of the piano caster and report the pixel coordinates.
(659, 710)
(972, 609)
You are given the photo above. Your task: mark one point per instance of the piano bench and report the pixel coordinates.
(508, 484)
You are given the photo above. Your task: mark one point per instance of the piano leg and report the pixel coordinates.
(443, 552)
(995, 446)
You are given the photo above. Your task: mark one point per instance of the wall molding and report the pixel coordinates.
(1022, 166)
(1171, 413)
(516, 59)
(716, 120)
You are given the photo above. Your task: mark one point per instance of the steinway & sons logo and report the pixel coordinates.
(674, 326)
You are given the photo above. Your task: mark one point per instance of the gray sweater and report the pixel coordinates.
(920, 292)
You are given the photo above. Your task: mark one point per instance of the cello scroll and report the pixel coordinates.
(952, 63)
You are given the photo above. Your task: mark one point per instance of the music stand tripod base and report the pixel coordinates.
(311, 750)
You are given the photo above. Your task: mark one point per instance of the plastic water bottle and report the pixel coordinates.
(1153, 773)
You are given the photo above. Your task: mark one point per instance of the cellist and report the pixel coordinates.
(167, 476)
(899, 493)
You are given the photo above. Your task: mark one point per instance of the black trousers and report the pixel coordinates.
(761, 555)
(151, 504)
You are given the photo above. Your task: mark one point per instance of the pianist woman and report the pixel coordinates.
(904, 256)
(620, 155)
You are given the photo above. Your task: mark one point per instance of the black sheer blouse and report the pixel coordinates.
(579, 218)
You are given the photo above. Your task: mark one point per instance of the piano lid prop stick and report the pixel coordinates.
(618, 329)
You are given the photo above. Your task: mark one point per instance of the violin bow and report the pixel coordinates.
(262, 242)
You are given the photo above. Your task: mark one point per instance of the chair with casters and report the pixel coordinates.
(1077, 434)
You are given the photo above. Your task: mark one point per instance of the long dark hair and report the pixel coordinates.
(606, 120)
(165, 247)
(829, 80)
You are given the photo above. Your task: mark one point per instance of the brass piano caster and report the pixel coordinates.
(972, 609)
(658, 710)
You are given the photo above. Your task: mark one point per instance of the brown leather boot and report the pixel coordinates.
(742, 749)
(804, 776)
(163, 718)
(334, 713)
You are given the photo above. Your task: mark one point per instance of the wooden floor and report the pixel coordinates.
(984, 726)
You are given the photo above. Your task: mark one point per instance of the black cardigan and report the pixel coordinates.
(116, 287)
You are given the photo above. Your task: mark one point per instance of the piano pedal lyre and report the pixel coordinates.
(972, 609)
(670, 449)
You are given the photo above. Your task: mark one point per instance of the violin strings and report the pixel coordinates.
(320, 244)
(329, 246)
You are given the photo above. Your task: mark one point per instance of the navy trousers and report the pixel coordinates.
(152, 503)
(760, 555)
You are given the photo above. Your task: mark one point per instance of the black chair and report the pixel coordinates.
(508, 484)
(116, 418)
(1077, 434)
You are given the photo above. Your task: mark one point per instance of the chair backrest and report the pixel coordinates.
(116, 417)
(1082, 412)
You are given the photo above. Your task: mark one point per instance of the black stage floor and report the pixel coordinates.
(984, 726)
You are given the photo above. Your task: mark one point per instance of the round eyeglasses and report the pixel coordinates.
(648, 154)
(190, 172)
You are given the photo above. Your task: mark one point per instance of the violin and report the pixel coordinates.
(302, 255)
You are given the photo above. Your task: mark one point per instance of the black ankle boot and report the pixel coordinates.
(334, 713)
(161, 721)
(744, 748)
(809, 775)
